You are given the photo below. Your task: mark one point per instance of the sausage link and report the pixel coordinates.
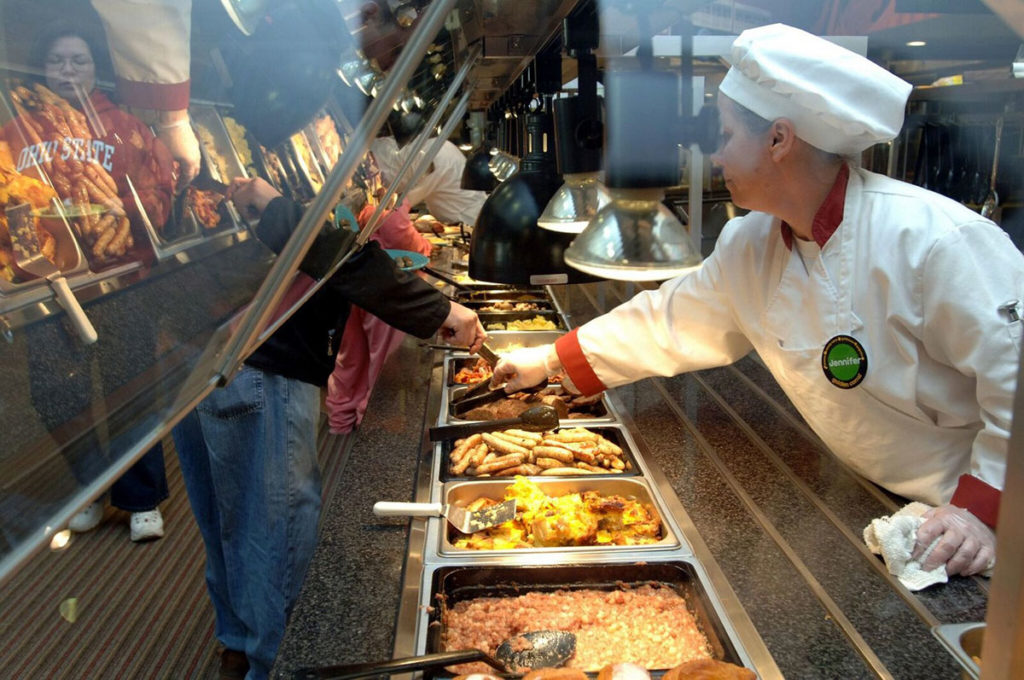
(503, 446)
(526, 469)
(101, 177)
(122, 240)
(99, 248)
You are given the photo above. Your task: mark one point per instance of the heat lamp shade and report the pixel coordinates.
(477, 175)
(508, 247)
(575, 203)
(634, 238)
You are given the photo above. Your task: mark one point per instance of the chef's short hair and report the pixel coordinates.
(758, 124)
(754, 122)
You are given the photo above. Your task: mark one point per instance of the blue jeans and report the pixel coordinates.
(144, 485)
(248, 457)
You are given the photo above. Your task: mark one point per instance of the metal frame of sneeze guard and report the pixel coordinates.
(423, 136)
(271, 292)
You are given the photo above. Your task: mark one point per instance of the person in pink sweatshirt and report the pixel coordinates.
(368, 341)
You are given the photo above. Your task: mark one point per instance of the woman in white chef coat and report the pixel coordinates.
(887, 313)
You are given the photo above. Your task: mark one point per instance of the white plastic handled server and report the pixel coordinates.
(29, 258)
(464, 520)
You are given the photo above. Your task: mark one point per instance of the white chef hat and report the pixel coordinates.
(838, 101)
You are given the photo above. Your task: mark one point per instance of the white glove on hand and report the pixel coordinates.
(967, 546)
(526, 367)
(184, 147)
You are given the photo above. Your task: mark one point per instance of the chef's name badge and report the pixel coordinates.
(844, 362)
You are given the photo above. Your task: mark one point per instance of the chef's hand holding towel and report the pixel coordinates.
(921, 545)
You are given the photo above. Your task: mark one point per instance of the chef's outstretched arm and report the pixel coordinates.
(150, 48)
(686, 324)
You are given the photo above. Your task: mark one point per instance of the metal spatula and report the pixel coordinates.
(31, 260)
(466, 521)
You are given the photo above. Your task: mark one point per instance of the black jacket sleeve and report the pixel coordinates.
(368, 279)
(277, 222)
(371, 280)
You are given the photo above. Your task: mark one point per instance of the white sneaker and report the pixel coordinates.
(147, 526)
(88, 519)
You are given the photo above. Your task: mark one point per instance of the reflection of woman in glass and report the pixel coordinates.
(135, 160)
(91, 151)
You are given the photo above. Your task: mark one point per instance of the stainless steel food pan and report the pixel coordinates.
(598, 411)
(463, 493)
(506, 341)
(612, 434)
(444, 586)
(502, 319)
(481, 306)
(516, 294)
(963, 641)
(68, 258)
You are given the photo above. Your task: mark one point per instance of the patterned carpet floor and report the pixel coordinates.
(107, 608)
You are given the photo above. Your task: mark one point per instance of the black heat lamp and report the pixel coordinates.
(507, 244)
(477, 175)
(283, 73)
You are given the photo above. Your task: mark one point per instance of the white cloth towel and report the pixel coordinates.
(893, 538)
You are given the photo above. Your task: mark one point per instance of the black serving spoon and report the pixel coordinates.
(536, 649)
(537, 418)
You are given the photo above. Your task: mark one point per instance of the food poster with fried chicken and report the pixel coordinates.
(113, 179)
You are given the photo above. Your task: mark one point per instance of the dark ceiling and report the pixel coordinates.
(953, 30)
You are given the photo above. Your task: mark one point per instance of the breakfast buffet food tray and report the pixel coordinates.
(583, 450)
(581, 410)
(563, 531)
(563, 537)
(444, 587)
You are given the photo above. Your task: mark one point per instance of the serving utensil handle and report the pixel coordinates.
(404, 665)
(75, 312)
(400, 509)
(442, 432)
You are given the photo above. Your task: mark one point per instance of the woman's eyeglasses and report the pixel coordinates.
(77, 63)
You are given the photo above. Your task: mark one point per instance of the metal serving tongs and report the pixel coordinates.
(539, 418)
(444, 277)
(491, 357)
(536, 649)
(988, 208)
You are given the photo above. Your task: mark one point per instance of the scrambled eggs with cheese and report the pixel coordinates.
(573, 519)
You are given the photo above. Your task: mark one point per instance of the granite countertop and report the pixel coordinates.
(780, 516)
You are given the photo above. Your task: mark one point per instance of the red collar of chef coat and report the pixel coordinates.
(829, 215)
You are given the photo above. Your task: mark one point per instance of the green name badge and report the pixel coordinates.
(844, 362)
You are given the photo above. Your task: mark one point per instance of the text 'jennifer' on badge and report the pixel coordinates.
(844, 362)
